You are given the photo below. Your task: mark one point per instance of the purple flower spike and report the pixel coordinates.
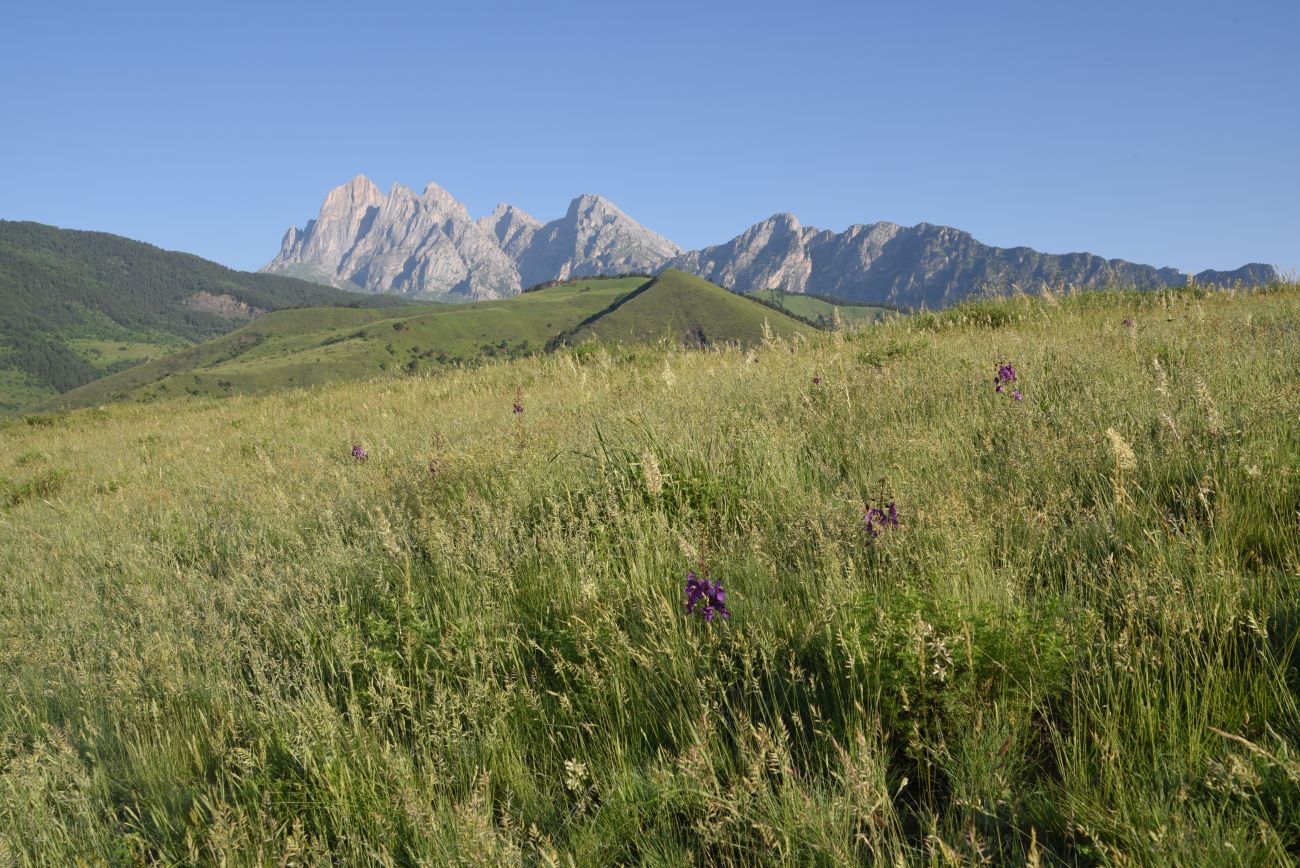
(706, 592)
(359, 454)
(519, 408)
(1006, 374)
(817, 381)
(1128, 323)
(880, 519)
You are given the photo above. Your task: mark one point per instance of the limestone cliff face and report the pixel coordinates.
(400, 243)
(593, 237)
(913, 266)
(512, 228)
(428, 244)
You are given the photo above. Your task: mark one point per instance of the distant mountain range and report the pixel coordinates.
(428, 245)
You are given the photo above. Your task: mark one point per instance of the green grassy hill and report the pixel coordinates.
(821, 310)
(225, 640)
(311, 346)
(686, 309)
(76, 306)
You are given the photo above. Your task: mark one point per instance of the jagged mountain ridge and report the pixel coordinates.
(428, 244)
(884, 263)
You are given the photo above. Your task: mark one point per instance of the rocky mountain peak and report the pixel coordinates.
(427, 244)
(591, 205)
(512, 227)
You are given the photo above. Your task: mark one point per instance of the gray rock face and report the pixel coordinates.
(594, 237)
(400, 243)
(428, 244)
(512, 228)
(913, 266)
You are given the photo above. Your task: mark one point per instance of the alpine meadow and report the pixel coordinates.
(1012, 582)
(680, 435)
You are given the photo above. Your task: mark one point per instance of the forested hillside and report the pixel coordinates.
(75, 305)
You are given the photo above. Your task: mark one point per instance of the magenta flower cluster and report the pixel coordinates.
(1005, 376)
(359, 454)
(710, 594)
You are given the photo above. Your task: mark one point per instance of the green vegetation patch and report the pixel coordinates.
(821, 312)
(60, 286)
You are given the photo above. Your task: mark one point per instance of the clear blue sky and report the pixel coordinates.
(1162, 132)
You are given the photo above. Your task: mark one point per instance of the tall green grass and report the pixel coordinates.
(224, 640)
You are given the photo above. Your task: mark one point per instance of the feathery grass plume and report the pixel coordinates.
(837, 319)
(1209, 410)
(1162, 379)
(1125, 459)
(1171, 425)
(1125, 462)
(667, 375)
(654, 480)
(386, 536)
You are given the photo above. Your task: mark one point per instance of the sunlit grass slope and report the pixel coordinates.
(312, 346)
(687, 309)
(223, 639)
(821, 310)
(317, 345)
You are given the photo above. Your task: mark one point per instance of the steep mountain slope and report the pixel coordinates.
(428, 245)
(913, 266)
(593, 237)
(403, 243)
(76, 305)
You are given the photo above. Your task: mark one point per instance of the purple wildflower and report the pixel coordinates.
(359, 454)
(881, 518)
(519, 408)
(1128, 323)
(1006, 374)
(709, 593)
(817, 381)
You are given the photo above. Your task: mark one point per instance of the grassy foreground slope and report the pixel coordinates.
(222, 638)
(312, 346)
